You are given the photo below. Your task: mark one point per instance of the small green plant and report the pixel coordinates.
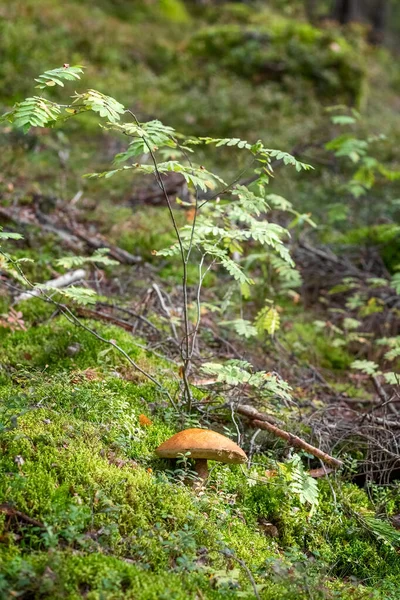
(358, 157)
(224, 220)
(238, 373)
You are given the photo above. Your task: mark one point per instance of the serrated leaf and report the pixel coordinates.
(82, 296)
(9, 235)
(100, 257)
(33, 112)
(105, 106)
(392, 378)
(268, 320)
(365, 366)
(55, 76)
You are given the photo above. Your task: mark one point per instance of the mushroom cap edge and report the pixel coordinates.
(202, 443)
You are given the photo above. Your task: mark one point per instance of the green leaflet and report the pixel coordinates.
(300, 482)
(268, 320)
(33, 112)
(99, 257)
(106, 106)
(55, 76)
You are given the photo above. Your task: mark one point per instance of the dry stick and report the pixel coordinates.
(165, 309)
(296, 442)
(101, 316)
(386, 400)
(253, 414)
(130, 312)
(198, 303)
(59, 282)
(10, 215)
(119, 254)
(252, 446)
(10, 511)
(383, 421)
(241, 562)
(97, 315)
(73, 238)
(88, 313)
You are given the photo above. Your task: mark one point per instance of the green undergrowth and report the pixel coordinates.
(306, 341)
(59, 344)
(113, 521)
(166, 61)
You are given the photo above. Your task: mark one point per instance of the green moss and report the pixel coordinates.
(146, 230)
(385, 237)
(283, 49)
(73, 575)
(76, 458)
(59, 344)
(351, 390)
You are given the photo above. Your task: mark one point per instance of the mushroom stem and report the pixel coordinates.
(201, 468)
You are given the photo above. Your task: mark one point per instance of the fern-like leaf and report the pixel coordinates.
(300, 482)
(365, 366)
(242, 327)
(105, 106)
(33, 112)
(153, 135)
(80, 295)
(268, 320)
(55, 76)
(99, 257)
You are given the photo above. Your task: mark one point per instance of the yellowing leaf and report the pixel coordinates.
(145, 421)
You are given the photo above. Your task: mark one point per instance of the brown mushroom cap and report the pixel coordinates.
(202, 443)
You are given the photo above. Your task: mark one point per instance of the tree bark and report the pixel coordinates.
(311, 10)
(346, 11)
(373, 12)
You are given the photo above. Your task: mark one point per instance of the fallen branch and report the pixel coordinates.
(296, 442)
(88, 313)
(29, 221)
(384, 397)
(73, 237)
(95, 242)
(12, 512)
(253, 414)
(59, 282)
(130, 312)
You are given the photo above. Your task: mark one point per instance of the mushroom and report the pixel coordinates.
(203, 445)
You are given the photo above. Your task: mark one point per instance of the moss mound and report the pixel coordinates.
(87, 510)
(287, 52)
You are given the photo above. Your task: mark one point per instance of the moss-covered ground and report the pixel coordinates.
(113, 521)
(87, 510)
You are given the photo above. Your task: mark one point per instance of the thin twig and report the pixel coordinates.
(241, 562)
(130, 312)
(185, 357)
(296, 442)
(10, 511)
(165, 309)
(263, 421)
(252, 413)
(252, 446)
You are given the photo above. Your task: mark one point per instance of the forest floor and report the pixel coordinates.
(87, 510)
